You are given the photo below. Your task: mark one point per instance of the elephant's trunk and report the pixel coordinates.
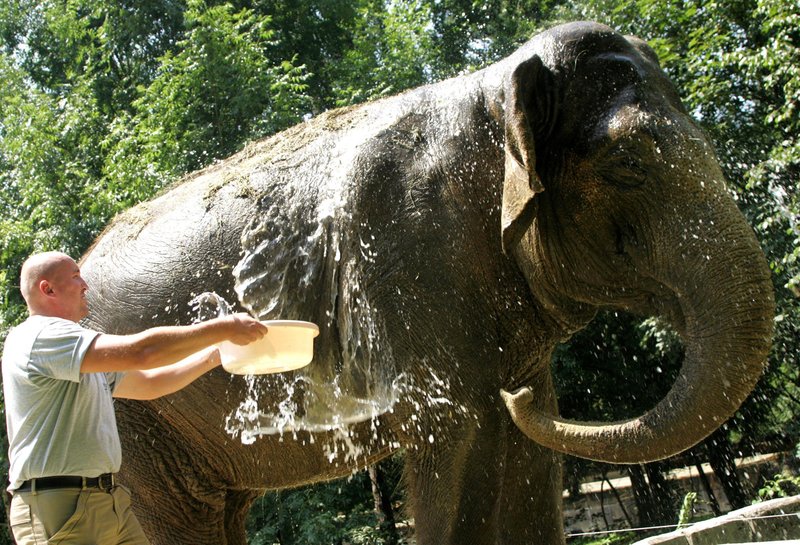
(727, 304)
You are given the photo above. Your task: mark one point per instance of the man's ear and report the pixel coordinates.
(45, 288)
(521, 184)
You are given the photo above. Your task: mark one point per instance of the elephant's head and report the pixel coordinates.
(613, 198)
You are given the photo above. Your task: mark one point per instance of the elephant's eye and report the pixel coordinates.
(622, 167)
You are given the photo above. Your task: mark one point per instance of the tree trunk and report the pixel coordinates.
(712, 498)
(286, 533)
(721, 457)
(619, 500)
(653, 495)
(603, 502)
(383, 504)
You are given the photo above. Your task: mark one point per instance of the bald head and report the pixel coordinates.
(51, 285)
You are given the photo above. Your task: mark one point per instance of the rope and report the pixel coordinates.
(682, 526)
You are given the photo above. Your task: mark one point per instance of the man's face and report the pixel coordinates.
(70, 289)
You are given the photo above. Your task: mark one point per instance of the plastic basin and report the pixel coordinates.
(288, 345)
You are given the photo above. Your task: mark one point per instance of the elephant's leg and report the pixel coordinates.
(530, 503)
(453, 486)
(175, 501)
(237, 505)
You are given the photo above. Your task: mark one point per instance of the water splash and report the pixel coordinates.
(209, 305)
(291, 402)
(331, 410)
(287, 403)
(304, 257)
(311, 254)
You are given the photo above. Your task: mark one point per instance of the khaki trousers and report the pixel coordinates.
(73, 516)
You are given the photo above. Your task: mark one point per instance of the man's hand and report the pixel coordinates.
(244, 329)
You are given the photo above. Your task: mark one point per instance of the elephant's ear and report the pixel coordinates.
(521, 182)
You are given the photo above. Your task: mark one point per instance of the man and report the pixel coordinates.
(58, 381)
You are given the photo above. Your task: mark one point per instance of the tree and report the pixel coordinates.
(391, 51)
(114, 44)
(338, 512)
(47, 177)
(617, 368)
(68, 68)
(218, 91)
(316, 33)
(92, 122)
(773, 64)
(468, 34)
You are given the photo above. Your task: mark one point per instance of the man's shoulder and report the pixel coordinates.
(45, 330)
(31, 325)
(48, 346)
(19, 343)
(53, 325)
(34, 325)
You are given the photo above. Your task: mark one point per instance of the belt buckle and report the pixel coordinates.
(106, 482)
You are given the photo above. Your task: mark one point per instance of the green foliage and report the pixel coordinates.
(620, 538)
(468, 34)
(774, 63)
(317, 33)
(105, 102)
(340, 512)
(391, 52)
(113, 44)
(216, 92)
(687, 509)
(402, 44)
(781, 486)
(49, 179)
(57, 58)
(618, 367)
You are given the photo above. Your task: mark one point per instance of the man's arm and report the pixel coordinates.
(162, 346)
(154, 383)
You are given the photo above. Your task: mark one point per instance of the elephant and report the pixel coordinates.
(445, 240)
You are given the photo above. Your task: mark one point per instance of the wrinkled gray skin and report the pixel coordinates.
(482, 220)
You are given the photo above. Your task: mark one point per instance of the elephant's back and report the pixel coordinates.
(154, 258)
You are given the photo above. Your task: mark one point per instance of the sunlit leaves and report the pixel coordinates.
(105, 101)
(391, 52)
(218, 91)
(43, 204)
(775, 64)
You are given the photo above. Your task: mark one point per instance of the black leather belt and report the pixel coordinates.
(106, 482)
